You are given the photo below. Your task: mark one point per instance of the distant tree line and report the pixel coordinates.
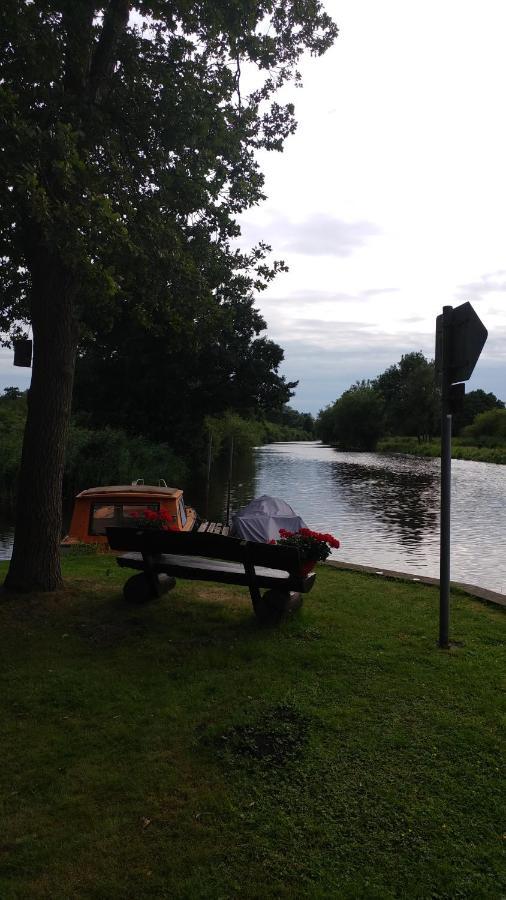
(402, 401)
(113, 455)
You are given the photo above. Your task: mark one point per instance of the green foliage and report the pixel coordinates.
(291, 418)
(274, 431)
(488, 449)
(403, 400)
(410, 396)
(109, 456)
(488, 425)
(129, 150)
(244, 433)
(364, 762)
(94, 457)
(353, 422)
(216, 364)
(475, 402)
(12, 423)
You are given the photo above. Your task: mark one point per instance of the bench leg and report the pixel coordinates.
(143, 587)
(275, 605)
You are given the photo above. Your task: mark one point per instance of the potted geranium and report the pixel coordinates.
(151, 520)
(313, 546)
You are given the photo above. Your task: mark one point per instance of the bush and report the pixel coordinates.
(109, 456)
(487, 425)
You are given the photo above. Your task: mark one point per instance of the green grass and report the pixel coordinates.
(461, 449)
(178, 750)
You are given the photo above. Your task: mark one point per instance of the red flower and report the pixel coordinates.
(312, 545)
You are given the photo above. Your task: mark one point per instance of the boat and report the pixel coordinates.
(97, 508)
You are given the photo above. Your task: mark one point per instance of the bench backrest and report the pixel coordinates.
(214, 546)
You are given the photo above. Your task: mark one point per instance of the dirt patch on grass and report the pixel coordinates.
(278, 735)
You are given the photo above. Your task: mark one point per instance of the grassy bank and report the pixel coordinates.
(460, 449)
(178, 750)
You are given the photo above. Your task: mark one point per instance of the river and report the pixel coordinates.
(384, 508)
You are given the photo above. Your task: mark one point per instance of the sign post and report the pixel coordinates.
(460, 338)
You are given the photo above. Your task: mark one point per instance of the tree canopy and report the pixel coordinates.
(354, 420)
(403, 400)
(129, 148)
(410, 396)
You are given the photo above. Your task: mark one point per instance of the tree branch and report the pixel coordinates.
(78, 22)
(104, 58)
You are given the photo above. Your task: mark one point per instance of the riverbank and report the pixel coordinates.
(96, 456)
(460, 450)
(178, 749)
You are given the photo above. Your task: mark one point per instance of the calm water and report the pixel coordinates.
(384, 509)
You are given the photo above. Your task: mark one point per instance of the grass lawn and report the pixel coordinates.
(178, 750)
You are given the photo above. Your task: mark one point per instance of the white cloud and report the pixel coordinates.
(390, 200)
(319, 234)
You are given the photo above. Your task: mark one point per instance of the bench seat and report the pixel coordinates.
(160, 557)
(201, 568)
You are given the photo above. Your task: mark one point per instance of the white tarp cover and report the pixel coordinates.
(261, 520)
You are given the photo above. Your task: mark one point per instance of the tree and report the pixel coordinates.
(127, 152)
(475, 402)
(410, 396)
(353, 422)
(215, 367)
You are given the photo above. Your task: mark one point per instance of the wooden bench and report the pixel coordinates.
(161, 556)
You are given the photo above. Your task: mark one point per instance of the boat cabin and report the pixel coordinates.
(100, 507)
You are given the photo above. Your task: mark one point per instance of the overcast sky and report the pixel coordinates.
(390, 200)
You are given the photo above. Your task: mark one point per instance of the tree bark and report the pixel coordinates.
(35, 563)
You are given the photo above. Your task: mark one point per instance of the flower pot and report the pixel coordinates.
(307, 566)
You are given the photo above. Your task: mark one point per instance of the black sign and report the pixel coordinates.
(467, 336)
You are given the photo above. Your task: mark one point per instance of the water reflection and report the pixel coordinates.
(211, 500)
(402, 498)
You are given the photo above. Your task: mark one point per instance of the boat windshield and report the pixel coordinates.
(103, 515)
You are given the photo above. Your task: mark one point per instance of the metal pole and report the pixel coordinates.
(208, 475)
(230, 477)
(446, 478)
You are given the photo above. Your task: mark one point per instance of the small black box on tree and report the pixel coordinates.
(23, 352)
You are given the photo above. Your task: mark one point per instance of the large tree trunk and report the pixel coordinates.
(35, 563)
